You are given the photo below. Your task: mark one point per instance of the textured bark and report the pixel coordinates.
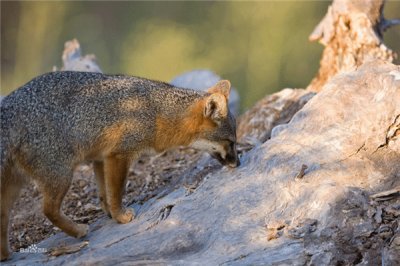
(351, 32)
(255, 125)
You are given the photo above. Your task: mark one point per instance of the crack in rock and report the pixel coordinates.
(162, 215)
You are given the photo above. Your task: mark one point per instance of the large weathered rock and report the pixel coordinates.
(308, 185)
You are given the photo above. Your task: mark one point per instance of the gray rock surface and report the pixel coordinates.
(348, 138)
(202, 80)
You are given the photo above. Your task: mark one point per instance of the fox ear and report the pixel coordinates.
(222, 86)
(216, 107)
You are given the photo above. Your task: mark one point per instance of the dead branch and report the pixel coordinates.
(351, 32)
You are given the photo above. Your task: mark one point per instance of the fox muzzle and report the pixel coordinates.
(231, 159)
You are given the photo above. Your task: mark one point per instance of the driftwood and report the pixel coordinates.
(352, 33)
(256, 124)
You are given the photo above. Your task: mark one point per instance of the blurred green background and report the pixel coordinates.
(261, 47)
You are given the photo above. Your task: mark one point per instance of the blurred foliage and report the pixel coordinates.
(261, 47)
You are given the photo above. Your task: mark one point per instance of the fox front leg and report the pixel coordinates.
(115, 172)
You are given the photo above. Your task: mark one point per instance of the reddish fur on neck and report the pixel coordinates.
(181, 131)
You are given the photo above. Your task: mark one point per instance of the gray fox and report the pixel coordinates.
(61, 119)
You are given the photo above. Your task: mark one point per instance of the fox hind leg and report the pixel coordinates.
(98, 168)
(116, 170)
(53, 195)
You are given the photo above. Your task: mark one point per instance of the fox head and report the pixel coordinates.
(219, 138)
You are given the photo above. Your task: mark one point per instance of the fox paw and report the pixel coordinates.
(5, 256)
(125, 216)
(82, 230)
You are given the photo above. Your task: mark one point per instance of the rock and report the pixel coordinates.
(202, 80)
(341, 134)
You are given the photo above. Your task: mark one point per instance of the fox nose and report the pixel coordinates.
(232, 158)
(235, 164)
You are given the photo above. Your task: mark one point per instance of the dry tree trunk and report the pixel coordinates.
(351, 32)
